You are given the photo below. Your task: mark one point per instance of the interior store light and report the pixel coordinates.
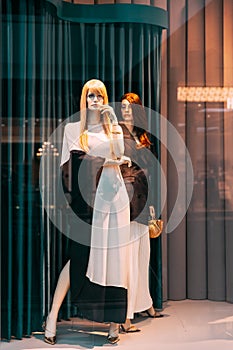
(206, 94)
(230, 103)
(47, 149)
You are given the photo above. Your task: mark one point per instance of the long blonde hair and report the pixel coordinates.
(97, 87)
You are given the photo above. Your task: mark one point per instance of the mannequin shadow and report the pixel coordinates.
(79, 332)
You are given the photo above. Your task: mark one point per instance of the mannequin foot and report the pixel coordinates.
(127, 327)
(113, 335)
(50, 330)
(152, 313)
(130, 329)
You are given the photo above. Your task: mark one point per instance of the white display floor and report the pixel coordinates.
(186, 325)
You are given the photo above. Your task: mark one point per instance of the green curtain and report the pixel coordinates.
(36, 77)
(45, 62)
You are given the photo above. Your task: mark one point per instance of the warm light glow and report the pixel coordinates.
(47, 149)
(206, 94)
(230, 103)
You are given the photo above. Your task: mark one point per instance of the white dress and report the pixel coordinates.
(111, 216)
(120, 250)
(110, 235)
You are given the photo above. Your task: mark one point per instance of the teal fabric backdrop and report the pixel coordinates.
(46, 60)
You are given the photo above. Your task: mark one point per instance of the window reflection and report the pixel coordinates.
(208, 131)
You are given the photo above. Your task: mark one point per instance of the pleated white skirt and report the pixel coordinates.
(139, 298)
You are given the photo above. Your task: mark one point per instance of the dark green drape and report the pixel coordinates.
(36, 77)
(45, 62)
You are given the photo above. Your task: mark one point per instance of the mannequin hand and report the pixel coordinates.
(127, 160)
(120, 161)
(117, 141)
(110, 112)
(116, 130)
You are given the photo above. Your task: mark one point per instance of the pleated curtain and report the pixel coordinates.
(35, 79)
(199, 54)
(45, 61)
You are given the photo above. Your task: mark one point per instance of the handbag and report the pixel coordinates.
(155, 225)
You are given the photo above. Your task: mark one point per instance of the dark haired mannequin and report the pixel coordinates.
(136, 179)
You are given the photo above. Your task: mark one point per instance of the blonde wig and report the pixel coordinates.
(97, 87)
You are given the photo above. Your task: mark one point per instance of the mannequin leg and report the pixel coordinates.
(62, 288)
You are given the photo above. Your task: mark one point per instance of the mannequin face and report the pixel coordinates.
(94, 101)
(126, 111)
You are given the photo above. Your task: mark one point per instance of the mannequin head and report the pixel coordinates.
(133, 112)
(94, 95)
(96, 87)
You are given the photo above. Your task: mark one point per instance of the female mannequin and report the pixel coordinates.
(136, 177)
(98, 284)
